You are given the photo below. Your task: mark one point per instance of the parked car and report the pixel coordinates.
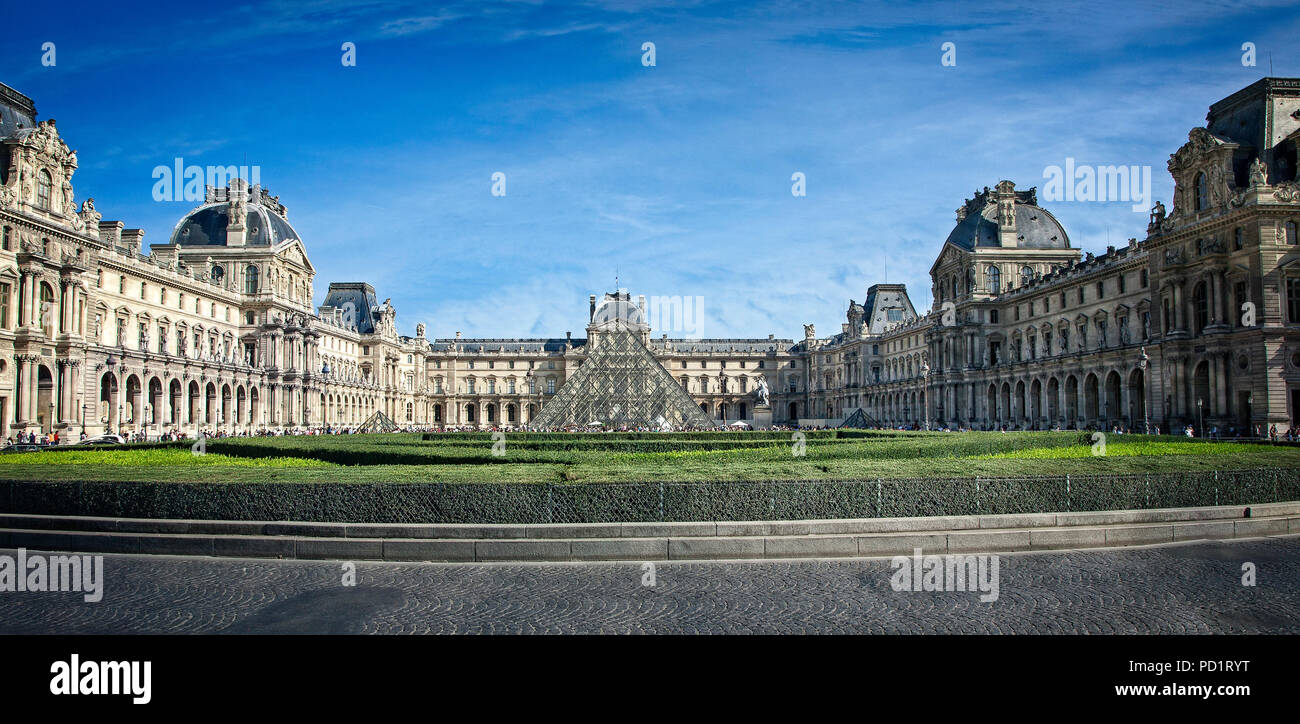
(106, 439)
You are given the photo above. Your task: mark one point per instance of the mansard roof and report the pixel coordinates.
(511, 345)
(880, 299)
(358, 302)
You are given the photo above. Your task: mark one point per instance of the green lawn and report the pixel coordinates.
(540, 458)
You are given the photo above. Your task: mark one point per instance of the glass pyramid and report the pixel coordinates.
(378, 422)
(860, 419)
(621, 384)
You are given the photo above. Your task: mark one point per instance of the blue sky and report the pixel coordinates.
(677, 175)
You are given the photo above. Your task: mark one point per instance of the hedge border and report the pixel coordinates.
(647, 501)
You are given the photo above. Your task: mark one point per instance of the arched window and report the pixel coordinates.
(1202, 192)
(1025, 275)
(43, 184)
(250, 280)
(218, 274)
(994, 280)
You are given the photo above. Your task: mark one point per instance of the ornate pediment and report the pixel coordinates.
(1200, 145)
(44, 142)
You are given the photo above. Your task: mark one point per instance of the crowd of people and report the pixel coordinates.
(1232, 432)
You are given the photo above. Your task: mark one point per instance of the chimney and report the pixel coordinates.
(132, 239)
(111, 232)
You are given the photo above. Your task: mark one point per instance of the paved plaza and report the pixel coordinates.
(1188, 588)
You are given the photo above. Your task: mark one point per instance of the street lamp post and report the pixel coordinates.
(1143, 362)
(925, 392)
(1200, 414)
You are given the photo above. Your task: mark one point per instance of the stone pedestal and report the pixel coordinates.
(762, 417)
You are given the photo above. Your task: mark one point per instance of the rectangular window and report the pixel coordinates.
(6, 239)
(1239, 296)
(1121, 283)
(1293, 300)
(4, 305)
(550, 385)
(1101, 290)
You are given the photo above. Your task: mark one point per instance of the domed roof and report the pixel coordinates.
(206, 225)
(978, 225)
(619, 308)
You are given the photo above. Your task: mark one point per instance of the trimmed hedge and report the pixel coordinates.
(644, 502)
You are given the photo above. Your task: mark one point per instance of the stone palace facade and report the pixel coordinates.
(216, 329)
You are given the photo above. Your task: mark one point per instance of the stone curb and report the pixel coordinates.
(727, 529)
(295, 541)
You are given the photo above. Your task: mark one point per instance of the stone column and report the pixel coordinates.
(1221, 385)
(21, 373)
(1180, 315)
(60, 391)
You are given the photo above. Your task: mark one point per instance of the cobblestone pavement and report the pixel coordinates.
(1191, 588)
